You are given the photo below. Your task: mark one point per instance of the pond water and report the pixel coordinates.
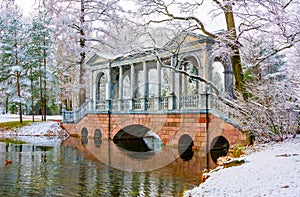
(75, 167)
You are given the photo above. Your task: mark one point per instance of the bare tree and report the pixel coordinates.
(80, 25)
(242, 18)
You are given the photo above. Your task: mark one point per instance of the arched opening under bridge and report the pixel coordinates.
(137, 139)
(84, 136)
(185, 147)
(219, 147)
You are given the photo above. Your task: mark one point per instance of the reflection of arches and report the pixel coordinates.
(101, 87)
(218, 147)
(185, 147)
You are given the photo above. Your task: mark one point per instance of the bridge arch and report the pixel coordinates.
(137, 138)
(97, 133)
(222, 66)
(84, 135)
(97, 138)
(134, 131)
(191, 64)
(219, 146)
(84, 132)
(185, 147)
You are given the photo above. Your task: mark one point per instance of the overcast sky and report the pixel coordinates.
(215, 24)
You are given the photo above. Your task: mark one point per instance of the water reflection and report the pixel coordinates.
(68, 168)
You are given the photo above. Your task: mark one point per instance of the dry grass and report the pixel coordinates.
(13, 125)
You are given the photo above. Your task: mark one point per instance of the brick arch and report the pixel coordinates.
(195, 60)
(220, 132)
(84, 132)
(132, 131)
(121, 123)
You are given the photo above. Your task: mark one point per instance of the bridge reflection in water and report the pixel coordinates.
(71, 169)
(165, 166)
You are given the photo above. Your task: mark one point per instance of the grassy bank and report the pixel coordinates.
(13, 125)
(12, 141)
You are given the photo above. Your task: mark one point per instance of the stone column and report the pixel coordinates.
(185, 82)
(91, 99)
(120, 87)
(172, 96)
(172, 76)
(132, 85)
(146, 80)
(158, 86)
(146, 86)
(108, 89)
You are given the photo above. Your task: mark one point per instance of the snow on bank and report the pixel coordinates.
(15, 117)
(39, 133)
(42, 129)
(274, 171)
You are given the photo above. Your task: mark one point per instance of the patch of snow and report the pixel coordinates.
(273, 171)
(15, 117)
(42, 129)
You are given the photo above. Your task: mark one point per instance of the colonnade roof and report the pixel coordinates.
(189, 41)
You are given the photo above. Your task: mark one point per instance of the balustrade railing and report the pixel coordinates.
(67, 116)
(81, 111)
(227, 111)
(150, 103)
(190, 102)
(115, 104)
(100, 105)
(126, 104)
(164, 103)
(137, 103)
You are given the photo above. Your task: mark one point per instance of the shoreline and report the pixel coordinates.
(272, 170)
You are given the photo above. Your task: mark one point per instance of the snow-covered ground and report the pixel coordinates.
(274, 171)
(15, 117)
(41, 129)
(48, 128)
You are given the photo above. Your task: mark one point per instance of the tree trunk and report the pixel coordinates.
(235, 57)
(18, 79)
(19, 97)
(41, 93)
(82, 91)
(6, 104)
(32, 95)
(45, 83)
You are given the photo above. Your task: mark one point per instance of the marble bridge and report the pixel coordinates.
(133, 96)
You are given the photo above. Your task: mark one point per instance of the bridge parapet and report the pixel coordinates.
(169, 104)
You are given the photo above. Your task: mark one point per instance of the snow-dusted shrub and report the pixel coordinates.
(273, 111)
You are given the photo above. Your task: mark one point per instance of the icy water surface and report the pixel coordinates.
(72, 168)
